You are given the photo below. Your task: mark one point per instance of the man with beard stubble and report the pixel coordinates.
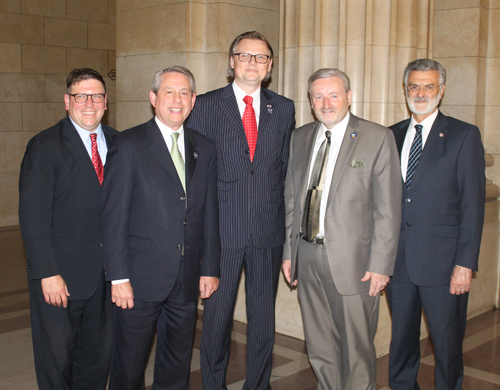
(251, 128)
(442, 165)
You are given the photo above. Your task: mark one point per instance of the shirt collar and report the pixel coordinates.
(240, 94)
(85, 134)
(427, 122)
(338, 129)
(167, 130)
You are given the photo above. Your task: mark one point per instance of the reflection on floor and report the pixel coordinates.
(291, 370)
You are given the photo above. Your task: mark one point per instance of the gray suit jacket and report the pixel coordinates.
(363, 212)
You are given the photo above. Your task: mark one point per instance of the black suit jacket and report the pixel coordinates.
(251, 197)
(443, 211)
(148, 219)
(59, 210)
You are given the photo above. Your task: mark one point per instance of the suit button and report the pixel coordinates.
(408, 224)
(408, 200)
(100, 244)
(183, 198)
(252, 172)
(179, 247)
(185, 222)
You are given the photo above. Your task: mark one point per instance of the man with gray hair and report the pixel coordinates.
(160, 217)
(443, 184)
(342, 197)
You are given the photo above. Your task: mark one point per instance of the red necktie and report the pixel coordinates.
(250, 125)
(96, 159)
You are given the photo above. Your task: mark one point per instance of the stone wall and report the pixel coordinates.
(41, 41)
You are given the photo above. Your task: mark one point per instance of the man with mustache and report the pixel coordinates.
(342, 196)
(442, 166)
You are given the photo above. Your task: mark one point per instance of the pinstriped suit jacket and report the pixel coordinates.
(147, 216)
(251, 201)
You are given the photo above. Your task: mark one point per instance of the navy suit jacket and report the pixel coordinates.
(59, 210)
(443, 211)
(251, 199)
(148, 219)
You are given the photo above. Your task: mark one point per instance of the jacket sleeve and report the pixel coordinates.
(211, 244)
(386, 197)
(37, 184)
(472, 191)
(116, 197)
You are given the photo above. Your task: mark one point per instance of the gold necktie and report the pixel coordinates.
(310, 220)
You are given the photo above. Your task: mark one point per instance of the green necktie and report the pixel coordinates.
(178, 160)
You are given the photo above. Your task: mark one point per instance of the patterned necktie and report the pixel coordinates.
(178, 160)
(96, 159)
(250, 125)
(415, 152)
(310, 220)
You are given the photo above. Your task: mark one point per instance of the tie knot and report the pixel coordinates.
(328, 134)
(248, 100)
(419, 128)
(93, 137)
(175, 136)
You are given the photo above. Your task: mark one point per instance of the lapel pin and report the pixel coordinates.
(195, 155)
(354, 135)
(269, 109)
(441, 135)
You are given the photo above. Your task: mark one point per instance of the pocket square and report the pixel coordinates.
(357, 164)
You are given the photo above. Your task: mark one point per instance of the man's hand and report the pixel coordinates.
(208, 285)
(377, 282)
(461, 279)
(55, 291)
(122, 295)
(287, 271)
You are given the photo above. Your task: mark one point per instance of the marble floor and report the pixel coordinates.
(291, 370)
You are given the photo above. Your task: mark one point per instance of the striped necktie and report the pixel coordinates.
(415, 152)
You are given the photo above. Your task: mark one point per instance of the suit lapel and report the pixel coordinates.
(266, 110)
(440, 126)
(345, 153)
(400, 135)
(306, 161)
(191, 155)
(158, 148)
(230, 107)
(74, 143)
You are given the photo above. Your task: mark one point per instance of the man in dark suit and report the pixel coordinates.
(251, 128)
(160, 236)
(442, 164)
(59, 214)
(342, 200)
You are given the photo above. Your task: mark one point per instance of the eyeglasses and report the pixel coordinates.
(82, 97)
(413, 88)
(247, 57)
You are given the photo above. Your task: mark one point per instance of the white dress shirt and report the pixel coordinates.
(240, 94)
(410, 134)
(167, 136)
(338, 132)
(102, 147)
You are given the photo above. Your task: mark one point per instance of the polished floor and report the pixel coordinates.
(291, 370)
